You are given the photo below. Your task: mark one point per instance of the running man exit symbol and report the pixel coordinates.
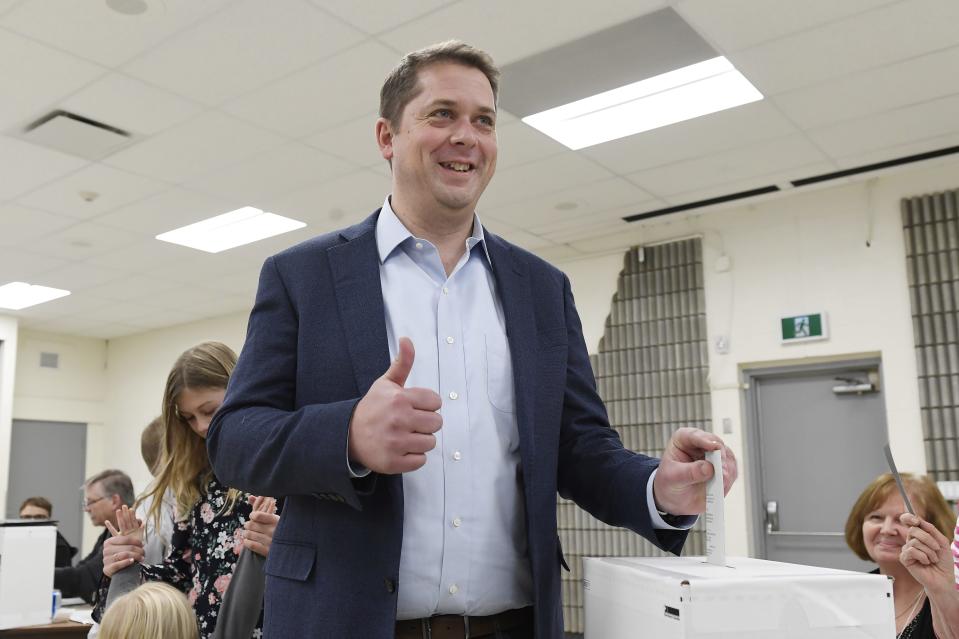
(802, 328)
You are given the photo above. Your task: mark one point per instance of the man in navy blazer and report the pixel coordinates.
(421, 499)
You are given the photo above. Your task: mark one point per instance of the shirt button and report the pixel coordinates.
(454, 589)
(457, 522)
(450, 340)
(457, 455)
(446, 291)
(453, 394)
(419, 245)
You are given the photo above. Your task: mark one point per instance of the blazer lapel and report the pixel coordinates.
(355, 267)
(515, 295)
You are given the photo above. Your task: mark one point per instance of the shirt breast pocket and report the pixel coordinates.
(499, 374)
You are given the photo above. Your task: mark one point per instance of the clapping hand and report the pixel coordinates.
(125, 546)
(257, 533)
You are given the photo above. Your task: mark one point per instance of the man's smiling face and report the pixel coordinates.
(443, 149)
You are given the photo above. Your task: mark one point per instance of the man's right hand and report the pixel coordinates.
(392, 427)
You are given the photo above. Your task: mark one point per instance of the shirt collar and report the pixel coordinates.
(390, 233)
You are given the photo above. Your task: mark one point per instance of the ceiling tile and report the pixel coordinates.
(386, 15)
(21, 225)
(354, 141)
(334, 204)
(143, 255)
(738, 24)
(74, 305)
(888, 34)
(129, 104)
(65, 325)
(23, 266)
(519, 143)
(892, 128)
(776, 178)
(205, 143)
(730, 166)
(111, 187)
(916, 80)
(273, 172)
(249, 44)
(519, 237)
(166, 211)
(579, 230)
(131, 288)
(534, 25)
(26, 166)
(536, 178)
(581, 202)
(323, 95)
(163, 319)
(108, 331)
(93, 30)
(79, 276)
(903, 150)
(728, 129)
(41, 75)
(559, 253)
(84, 240)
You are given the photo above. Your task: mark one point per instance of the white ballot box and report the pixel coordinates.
(27, 549)
(687, 598)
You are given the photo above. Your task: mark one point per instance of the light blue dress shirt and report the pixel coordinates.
(464, 528)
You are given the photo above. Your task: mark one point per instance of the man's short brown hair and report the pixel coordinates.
(924, 495)
(151, 443)
(38, 502)
(402, 84)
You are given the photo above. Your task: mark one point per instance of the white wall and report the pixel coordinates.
(8, 362)
(797, 253)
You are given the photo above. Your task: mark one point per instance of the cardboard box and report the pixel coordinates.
(27, 554)
(686, 598)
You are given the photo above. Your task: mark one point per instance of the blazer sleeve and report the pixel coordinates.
(594, 468)
(258, 440)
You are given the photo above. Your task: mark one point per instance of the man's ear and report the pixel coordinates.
(384, 138)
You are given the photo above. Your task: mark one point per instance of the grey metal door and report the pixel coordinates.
(48, 459)
(819, 443)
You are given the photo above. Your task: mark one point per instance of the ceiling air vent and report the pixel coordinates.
(49, 360)
(76, 135)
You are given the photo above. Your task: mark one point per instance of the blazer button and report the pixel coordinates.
(390, 585)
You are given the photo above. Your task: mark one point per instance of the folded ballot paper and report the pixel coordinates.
(720, 597)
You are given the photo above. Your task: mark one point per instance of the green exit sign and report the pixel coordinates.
(804, 328)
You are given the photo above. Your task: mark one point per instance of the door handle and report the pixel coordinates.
(772, 516)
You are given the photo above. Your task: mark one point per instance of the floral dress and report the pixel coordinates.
(204, 549)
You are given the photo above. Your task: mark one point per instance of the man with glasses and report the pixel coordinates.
(41, 508)
(103, 495)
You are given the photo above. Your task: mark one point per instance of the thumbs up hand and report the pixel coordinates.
(392, 427)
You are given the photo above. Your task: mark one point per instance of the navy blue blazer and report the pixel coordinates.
(315, 344)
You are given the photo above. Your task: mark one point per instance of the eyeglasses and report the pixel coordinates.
(34, 517)
(87, 503)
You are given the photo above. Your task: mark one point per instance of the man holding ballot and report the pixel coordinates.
(419, 390)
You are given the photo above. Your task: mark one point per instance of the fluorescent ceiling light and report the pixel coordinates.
(683, 94)
(18, 295)
(230, 230)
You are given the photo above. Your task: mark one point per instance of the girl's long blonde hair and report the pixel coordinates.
(153, 610)
(184, 467)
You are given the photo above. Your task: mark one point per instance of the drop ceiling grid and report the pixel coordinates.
(234, 134)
